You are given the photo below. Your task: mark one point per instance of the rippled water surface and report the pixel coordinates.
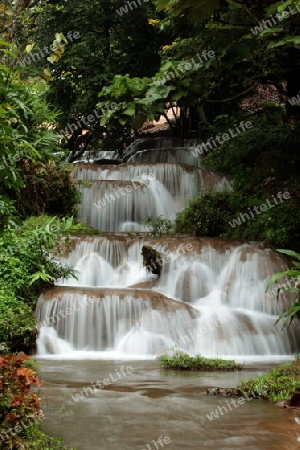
(139, 405)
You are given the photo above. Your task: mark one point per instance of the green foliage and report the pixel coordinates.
(25, 262)
(265, 149)
(279, 226)
(194, 9)
(15, 142)
(36, 440)
(48, 189)
(7, 212)
(137, 99)
(31, 182)
(17, 322)
(64, 224)
(159, 226)
(113, 45)
(261, 162)
(181, 361)
(293, 275)
(27, 267)
(276, 385)
(272, 113)
(211, 215)
(206, 215)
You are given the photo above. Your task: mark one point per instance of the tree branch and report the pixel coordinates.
(232, 98)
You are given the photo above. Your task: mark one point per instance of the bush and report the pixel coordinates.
(26, 266)
(159, 226)
(17, 323)
(48, 189)
(18, 407)
(26, 269)
(20, 411)
(278, 384)
(36, 440)
(279, 226)
(205, 216)
(263, 151)
(261, 163)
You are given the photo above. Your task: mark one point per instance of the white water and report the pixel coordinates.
(210, 297)
(122, 198)
(112, 205)
(229, 314)
(181, 180)
(90, 156)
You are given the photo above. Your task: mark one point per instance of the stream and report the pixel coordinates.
(148, 403)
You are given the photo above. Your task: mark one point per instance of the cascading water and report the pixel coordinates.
(210, 297)
(112, 205)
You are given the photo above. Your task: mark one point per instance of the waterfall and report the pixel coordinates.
(210, 296)
(181, 155)
(180, 180)
(112, 205)
(123, 320)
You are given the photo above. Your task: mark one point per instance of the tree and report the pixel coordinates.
(254, 43)
(108, 44)
(266, 29)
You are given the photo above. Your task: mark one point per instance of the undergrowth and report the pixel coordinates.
(182, 361)
(277, 385)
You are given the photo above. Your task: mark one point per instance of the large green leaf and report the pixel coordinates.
(130, 110)
(289, 253)
(294, 40)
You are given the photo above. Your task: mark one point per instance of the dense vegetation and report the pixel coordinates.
(259, 170)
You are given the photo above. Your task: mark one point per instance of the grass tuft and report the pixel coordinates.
(183, 361)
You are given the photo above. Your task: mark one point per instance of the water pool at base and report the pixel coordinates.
(131, 408)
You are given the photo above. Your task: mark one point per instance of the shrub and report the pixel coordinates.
(48, 189)
(26, 266)
(20, 412)
(276, 385)
(159, 226)
(261, 163)
(19, 407)
(205, 216)
(26, 269)
(17, 323)
(264, 150)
